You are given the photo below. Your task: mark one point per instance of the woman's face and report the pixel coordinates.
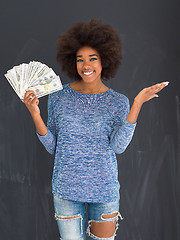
(88, 64)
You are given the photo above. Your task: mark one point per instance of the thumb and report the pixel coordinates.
(153, 96)
(37, 101)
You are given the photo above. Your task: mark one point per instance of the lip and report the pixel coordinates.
(88, 73)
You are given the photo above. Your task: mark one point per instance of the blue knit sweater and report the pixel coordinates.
(84, 132)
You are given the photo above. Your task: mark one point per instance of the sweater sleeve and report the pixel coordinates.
(49, 140)
(124, 130)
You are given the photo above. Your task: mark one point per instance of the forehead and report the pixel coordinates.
(86, 51)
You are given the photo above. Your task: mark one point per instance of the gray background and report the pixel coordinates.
(148, 170)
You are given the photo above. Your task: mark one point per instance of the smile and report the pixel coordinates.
(87, 73)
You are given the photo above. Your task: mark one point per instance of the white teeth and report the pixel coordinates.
(87, 73)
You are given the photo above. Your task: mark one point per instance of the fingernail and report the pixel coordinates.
(166, 83)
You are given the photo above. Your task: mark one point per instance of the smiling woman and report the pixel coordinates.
(89, 63)
(88, 123)
(89, 67)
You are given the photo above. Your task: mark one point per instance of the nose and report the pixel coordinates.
(86, 65)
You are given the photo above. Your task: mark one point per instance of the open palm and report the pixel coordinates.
(150, 92)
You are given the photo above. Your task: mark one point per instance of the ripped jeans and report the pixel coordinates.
(71, 219)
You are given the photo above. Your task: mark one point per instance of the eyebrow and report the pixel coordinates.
(91, 55)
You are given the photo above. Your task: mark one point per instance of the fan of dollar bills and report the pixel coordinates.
(34, 76)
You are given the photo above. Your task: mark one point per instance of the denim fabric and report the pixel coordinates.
(74, 229)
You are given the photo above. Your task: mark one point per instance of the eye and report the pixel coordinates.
(93, 59)
(79, 60)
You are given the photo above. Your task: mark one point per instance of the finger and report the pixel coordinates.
(166, 83)
(35, 101)
(32, 101)
(32, 98)
(159, 86)
(28, 99)
(29, 95)
(163, 85)
(28, 92)
(153, 96)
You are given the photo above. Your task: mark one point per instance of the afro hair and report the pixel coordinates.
(93, 33)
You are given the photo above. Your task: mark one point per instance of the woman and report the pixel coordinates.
(87, 124)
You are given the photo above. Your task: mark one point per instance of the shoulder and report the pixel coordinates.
(119, 98)
(120, 104)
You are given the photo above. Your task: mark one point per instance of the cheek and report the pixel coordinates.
(99, 68)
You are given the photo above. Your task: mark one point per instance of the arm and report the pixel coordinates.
(46, 136)
(123, 130)
(121, 137)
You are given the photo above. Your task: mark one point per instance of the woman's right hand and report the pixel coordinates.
(31, 102)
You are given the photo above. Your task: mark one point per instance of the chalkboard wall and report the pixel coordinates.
(149, 170)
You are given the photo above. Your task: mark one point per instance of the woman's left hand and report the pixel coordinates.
(145, 95)
(150, 92)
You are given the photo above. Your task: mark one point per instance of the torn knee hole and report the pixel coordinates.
(111, 215)
(103, 229)
(66, 217)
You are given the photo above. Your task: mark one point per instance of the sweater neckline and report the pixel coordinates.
(88, 94)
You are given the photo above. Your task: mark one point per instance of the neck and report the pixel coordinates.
(92, 87)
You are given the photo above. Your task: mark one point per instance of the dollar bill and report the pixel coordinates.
(46, 86)
(34, 76)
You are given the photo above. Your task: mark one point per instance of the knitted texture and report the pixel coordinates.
(84, 132)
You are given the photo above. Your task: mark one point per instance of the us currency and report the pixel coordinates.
(40, 69)
(18, 71)
(34, 76)
(9, 77)
(23, 79)
(12, 77)
(48, 74)
(46, 86)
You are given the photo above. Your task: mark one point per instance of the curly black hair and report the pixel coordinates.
(93, 33)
